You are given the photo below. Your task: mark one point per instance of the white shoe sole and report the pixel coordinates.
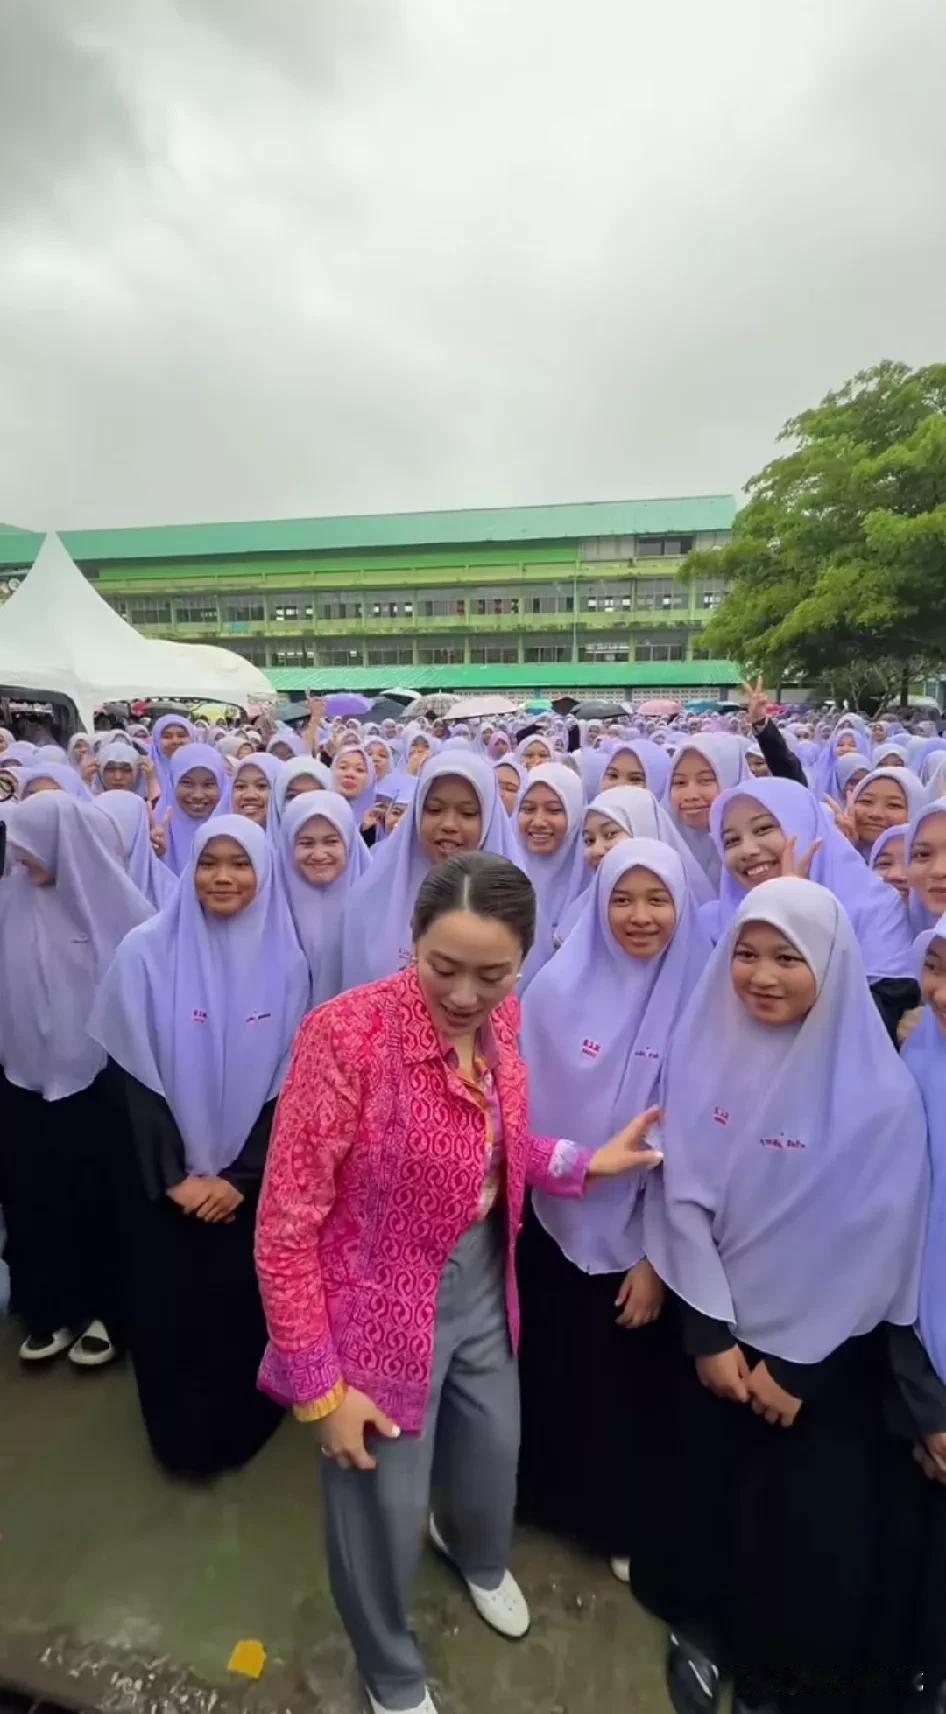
(92, 1359)
(425, 1707)
(512, 1626)
(60, 1344)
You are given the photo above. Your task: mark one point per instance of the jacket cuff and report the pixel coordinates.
(320, 1408)
(299, 1377)
(568, 1168)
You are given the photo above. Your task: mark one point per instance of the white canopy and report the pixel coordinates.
(57, 634)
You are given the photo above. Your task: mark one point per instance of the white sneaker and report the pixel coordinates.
(94, 1349)
(39, 1347)
(425, 1707)
(504, 1609)
(621, 1569)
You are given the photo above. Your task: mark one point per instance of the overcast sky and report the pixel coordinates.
(264, 258)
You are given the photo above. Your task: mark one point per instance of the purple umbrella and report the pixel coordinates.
(346, 703)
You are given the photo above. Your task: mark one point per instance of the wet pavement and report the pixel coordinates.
(124, 1590)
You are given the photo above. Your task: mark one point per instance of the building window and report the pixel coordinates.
(294, 654)
(200, 610)
(341, 606)
(148, 610)
(402, 609)
(243, 610)
(441, 607)
(606, 598)
(289, 609)
(661, 595)
(390, 655)
(663, 547)
(702, 655)
(493, 654)
(710, 592)
(608, 649)
(440, 654)
(663, 650)
(547, 652)
(485, 602)
(340, 654)
(547, 598)
(606, 547)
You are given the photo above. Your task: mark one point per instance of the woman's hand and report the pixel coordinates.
(88, 770)
(641, 1297)
(770, 1400)
(798, 867)
(624, 1150)
(159, 832)
(726, 1374)
(342, 1433)
(843, 819)
(222, 1200)
(908, 1023)
(930, 1454)
(757, 703)
(190, 1194)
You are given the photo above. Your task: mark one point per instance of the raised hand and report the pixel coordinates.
(800, 867)
(843, 819)
(159, 831)
(757, 702)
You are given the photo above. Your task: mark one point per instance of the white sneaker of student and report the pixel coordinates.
(425, 1707)
(504, 1609)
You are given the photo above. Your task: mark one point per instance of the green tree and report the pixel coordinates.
(837, 564)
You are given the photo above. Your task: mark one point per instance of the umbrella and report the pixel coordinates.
(386, 707)
(658, 708)
(346, 703)
(436, 705)
(480, 707)
(538, 705)
(600, 711)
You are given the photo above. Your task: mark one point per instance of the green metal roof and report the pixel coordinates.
(386, 530)
(535, 676)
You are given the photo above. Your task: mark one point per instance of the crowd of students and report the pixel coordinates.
(733, 1354)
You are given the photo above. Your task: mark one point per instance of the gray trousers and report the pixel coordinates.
(466, 1454)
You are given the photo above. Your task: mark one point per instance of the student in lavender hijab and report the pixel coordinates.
(302, 774)
(130, 817)
(548, 823)
(119, 768)
(925, 852)
(65, 904)
(766, 828)
(590, 1299)
(884, 798)
(918, 1409)
(403, 788)
(168, 734)
(354, 778)
(52, 777)
(320, 858)
(702, 768)
(198, 1014)
(198, 788)
(790, 1229)
(456, 807)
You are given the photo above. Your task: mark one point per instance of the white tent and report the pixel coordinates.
(57, 635)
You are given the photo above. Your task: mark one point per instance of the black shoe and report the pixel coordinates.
(692, 1677)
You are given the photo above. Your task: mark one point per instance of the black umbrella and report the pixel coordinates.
(599, 711)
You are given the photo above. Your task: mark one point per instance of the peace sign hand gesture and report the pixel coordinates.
(799, 867)
(757, 702)
(844, 820)
(159, 832)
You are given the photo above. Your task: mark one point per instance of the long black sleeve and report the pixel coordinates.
(919, 1406)
(894, 995)
(246, 1173)
(159, 1146)
(777, 754)
(704, 1337)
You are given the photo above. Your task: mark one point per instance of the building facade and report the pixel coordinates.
(531, 586)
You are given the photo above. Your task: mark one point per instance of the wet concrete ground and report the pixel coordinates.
(123, 1590)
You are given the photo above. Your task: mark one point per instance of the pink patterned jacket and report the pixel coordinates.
(374, 1173)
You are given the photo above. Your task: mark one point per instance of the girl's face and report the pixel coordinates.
(198, 793)
(878, 733)
(598, 836)
(466, 965)
(451, 819)
(501, 745)
(891, 866)
(927, 866)
(319, 851)
(845, 744)
(281, 750)
(303, 783)
(246, 749)
(80, 749)
(118, 777)
(693, 787)
(351, 773)
(882, 804)
(393, 814)
(40, 785)
(250, 795)
(624, 769)
(854, 781)
(417, 754)
(508, 782)
(641, 914)
(224, 879)
(543, 821)
(891, 760)
(172, 738)
(380, 758)
(771, 977)
(753, 842)
(757, 765)
(933, 981)
(535, 753)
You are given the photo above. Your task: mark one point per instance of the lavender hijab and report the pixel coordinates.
(873, 908)
(558, 878)
(118, 750)
(181, 826)
(795, 1176)
(289, 771)
(925, 1055)
(129, 814)
(62, 775)
(162, 763)
(595, 1064)
(377, 938)
(724, 753)
(317, 911)
(57, 942)
(272, 770)
(642, 817)
(921, 918)
(203, 1010)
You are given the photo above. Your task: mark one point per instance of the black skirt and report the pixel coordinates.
(593, 1400)
(775, 1556)
(54, 1188)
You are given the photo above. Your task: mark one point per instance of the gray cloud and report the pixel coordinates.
(261, 259)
